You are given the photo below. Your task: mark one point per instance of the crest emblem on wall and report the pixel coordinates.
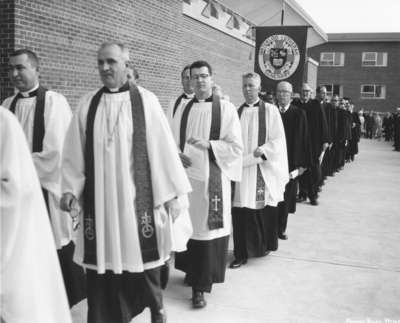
(278, 57)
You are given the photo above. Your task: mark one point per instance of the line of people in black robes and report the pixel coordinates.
(391, 128)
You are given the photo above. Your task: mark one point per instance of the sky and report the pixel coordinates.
(341, 16)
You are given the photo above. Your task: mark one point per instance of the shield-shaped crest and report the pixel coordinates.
(277, 57)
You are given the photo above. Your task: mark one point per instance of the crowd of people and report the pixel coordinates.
(124, 184)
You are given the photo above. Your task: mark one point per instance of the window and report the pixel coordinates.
(373, 91)
(332, 89)
(332, 59)
(374, 59)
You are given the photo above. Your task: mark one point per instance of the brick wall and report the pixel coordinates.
(352, 74)
(66, 35)
(228, 56)
(6, 44)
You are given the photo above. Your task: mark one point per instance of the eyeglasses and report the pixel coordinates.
(200, 76)
(74, 213)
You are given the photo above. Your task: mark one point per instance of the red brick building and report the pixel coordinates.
(163, 36)
(364, 67)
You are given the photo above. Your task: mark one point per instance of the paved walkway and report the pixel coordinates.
(340, 264)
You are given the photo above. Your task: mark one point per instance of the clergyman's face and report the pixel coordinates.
(283, 94)
(306, 93)
(322, 93)
(186, 83)
(201, 81)
(335, 101)
(23, 74)
(112, 66)
(251, 88)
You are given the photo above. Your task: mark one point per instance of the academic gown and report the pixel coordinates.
(31, 285)
(57, 117)
(331, 124)
(298, 151)
(255, 229)
(318, 131)
(355, 134)
(343, 135)
(205, 260)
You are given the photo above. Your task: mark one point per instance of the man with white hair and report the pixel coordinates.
(298, 150)
(114, 162)
(265, 174)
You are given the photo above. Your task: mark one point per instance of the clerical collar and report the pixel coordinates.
(123, 88)
(209, 99)
(188, 96)
(284, 109)
(255, 104)
(31, 93)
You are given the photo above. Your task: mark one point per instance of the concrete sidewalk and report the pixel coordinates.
(340, 264)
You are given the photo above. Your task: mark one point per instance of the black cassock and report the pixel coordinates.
(298, 151)
(318, 132)
(355, 135)
(343, 135)
(331, 119)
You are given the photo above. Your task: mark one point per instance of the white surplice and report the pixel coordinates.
(57, 116)
(175, 126)
(274, 170)
(118, 247)
(228, 154)
(31, 285)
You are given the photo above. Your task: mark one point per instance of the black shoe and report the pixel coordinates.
(283, 236)
(158, 316)
(198, 300)
(313, 202)
(237, 263)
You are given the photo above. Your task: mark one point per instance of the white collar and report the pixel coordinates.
(284, 109)
(254, 103)
(25, 94)
(190, 96)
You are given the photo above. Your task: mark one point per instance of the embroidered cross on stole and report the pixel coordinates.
(215, 198)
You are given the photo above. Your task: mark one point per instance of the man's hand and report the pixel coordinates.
(67, 201)
(330, 145)
(173, 208)
(325, 145)
(185, 160)
(258, 152)
(345, 143)
(199, 143)
(301, 170)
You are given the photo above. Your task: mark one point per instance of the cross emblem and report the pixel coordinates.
(215, 200)
(147, 228)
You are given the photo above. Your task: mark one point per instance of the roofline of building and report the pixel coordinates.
(296, 7)
(364, 37)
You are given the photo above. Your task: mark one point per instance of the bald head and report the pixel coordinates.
(284, 92)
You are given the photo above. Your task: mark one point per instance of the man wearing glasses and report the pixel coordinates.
(211, 151)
